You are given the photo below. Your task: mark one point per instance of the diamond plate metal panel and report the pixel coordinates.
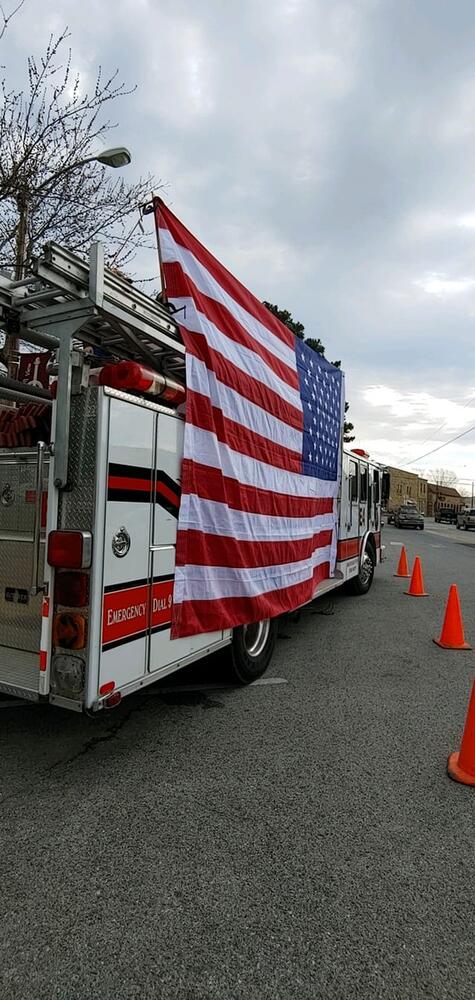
(76, 506)
(17, 482)
(19, 673)
(20, 623)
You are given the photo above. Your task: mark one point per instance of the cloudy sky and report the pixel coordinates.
(325, 151)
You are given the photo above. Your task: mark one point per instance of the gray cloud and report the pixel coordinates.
(326, 152)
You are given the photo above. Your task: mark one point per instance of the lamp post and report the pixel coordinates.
(116, 156)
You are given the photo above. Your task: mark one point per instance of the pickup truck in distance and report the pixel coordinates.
(466, 519)
(446, 514)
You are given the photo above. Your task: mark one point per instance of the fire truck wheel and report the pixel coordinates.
(361, 584)
(252, 649)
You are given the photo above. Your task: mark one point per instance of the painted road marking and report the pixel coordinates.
(15, 702)
(268, 680)
(196, 688)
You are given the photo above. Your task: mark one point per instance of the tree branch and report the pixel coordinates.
(6, 18)
(47, 129)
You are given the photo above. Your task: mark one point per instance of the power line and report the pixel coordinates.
(437, 429)
(444, 445)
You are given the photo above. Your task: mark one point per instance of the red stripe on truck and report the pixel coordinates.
(348, 549)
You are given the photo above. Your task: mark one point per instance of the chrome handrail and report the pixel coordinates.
(35, 565)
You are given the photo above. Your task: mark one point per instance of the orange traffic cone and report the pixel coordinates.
(461, 763)
(416, 586)
(452, 636)
(402, 567)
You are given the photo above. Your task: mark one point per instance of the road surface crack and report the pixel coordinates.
(96, 741)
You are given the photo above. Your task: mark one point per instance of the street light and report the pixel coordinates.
(118, 156)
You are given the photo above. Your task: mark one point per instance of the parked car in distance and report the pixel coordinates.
(466, 519)
(408, 516)
(391, 515)
(446, 514)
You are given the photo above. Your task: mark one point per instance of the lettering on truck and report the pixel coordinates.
(126, 610)
(126, 614)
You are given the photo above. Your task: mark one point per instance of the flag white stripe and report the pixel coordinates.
(216, 518)
(203, 446)
(210, 583)
(242, 357)
(207, 285)
(241, 410)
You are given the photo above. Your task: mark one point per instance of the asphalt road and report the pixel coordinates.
(296, 839)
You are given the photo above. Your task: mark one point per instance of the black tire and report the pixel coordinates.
(361, 584)
(457, 526)
(247, 666)
(421, 527)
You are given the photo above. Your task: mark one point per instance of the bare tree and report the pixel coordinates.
(442, 477)
(47, 191)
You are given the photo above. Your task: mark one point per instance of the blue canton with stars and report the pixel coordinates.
(320, 386)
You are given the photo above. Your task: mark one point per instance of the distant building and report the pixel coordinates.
(422, 501)
(404, 487)
(444, 496)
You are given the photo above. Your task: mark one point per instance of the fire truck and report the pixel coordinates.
(90, 493)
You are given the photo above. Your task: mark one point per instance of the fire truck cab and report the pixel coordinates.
(90, 493)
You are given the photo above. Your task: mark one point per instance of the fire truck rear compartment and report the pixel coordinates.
(20, 610)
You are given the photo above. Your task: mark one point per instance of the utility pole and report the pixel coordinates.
(21, 240)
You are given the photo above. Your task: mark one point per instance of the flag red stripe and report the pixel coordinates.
(202, 549)
(242, 347)
(179, 285)
(193, 617)
(246, 385)
(228, 282)
(211, 484)
(201, 413)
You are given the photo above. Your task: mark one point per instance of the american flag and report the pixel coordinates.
(257, 526)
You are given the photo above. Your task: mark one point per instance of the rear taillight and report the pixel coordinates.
(69, 630)
(70, 549)
(71, 589)
(70, 552)
(68, 675)
(113, 700)
(106, 688)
